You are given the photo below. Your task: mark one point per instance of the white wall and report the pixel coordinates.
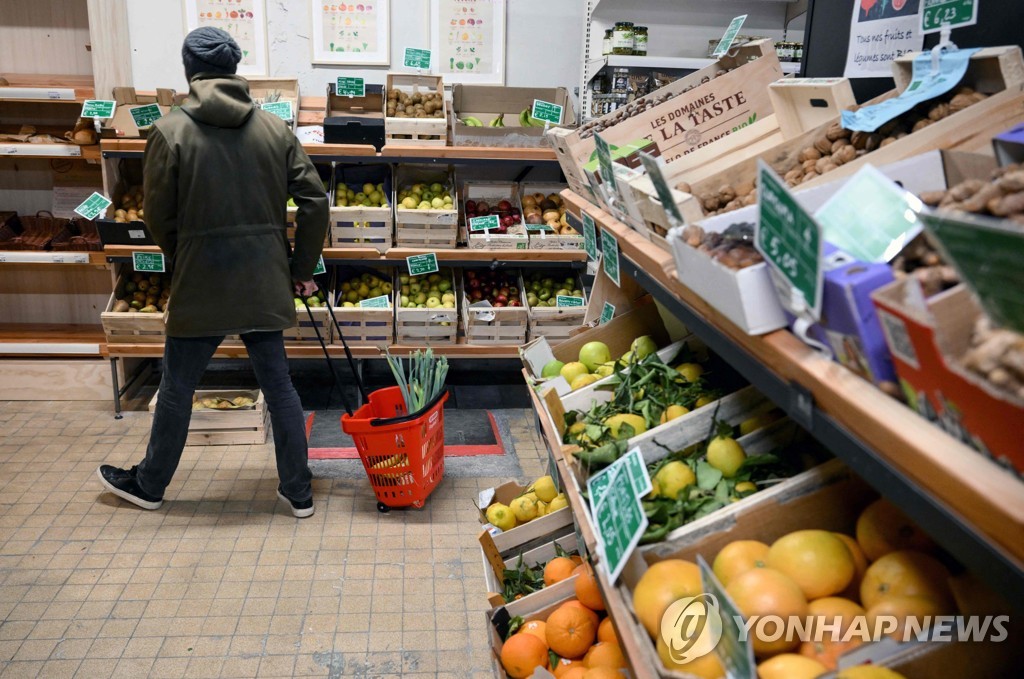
(542, 42)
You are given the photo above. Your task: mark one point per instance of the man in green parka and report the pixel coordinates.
(218, 174)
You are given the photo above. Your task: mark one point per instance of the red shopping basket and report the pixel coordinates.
(403, 454)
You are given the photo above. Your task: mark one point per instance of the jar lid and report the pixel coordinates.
(640, 28)
(623, 24)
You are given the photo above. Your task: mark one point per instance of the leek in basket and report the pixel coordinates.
(424, 380)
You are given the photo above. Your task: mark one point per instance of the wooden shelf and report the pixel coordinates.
(81, 84)
(51, 339)
(397, 255)
(52, 258)
(312, 350)
(19, 150)
(934, 477)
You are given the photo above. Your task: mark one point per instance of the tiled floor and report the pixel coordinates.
(222, 581)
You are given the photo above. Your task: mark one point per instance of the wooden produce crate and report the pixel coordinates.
(525, 535)
(493, 193)
(548, 240)
(363, 326)
(122, 125)
(487, 102)
(361, 226)
(122, 327)
(354, 120)
(415, 131)
(265, 90)
(419, 327)
(538, 607)
(686, 114)
(996, 71)
(426, 228)
(532, 557)
(305, 329)
(496, 325)
(556, 323)
(229, 427)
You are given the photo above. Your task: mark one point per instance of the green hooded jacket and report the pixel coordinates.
(218, 173)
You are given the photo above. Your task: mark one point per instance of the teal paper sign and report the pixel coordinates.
(281, 109)
(607, 313)
(546, 111)
(589, 236)
(735, 651)
(538, 227)
(417, 58)
(610, 256)
(604, 158)
(320, 268)
(144, 116)
(151, 262)
(484, 223)
(955, 13)
(350, 87)
(569, 301)
(730, 35)
(925, 84)
(98, 108)
(790, 241)
(634, 464)
(93, 206)
(421, 264)
(653, 167)
(382, 302)
(619, 521)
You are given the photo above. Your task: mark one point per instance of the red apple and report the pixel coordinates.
(481, 207)
(473, 284)
(471, 274)
(514, 302)
(471, 206)
(501, 299)
(504, 206)
(497, 305)
(476, 295)
(504, 291)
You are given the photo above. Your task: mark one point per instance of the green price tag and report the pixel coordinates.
(568, 301)
(144, 116)
(417, 58)
(281, 109)
(421, 264)
(589, 236)
(730, 34)
(619, 521)
(653, 167)
(382, 302)
(93, 206)
(604, 157)
(350, 87)
(986, 253)
(320, 268)
(607, 313)
(538, 227)
(636, 468)
(546, 111)
(790, 241)
(484, 223)
(955, 13)
(149, 261)
(734, 649)
(98, 108)
(610, 257)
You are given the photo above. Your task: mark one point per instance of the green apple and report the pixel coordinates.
(552, 368)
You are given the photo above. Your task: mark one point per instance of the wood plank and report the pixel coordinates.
(981, 492)
(111, 50)
(82, 84)
(312, 350)
(49, 36)
(457, 152)
(71, 379)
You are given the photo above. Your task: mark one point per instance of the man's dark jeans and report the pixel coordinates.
(185, 361)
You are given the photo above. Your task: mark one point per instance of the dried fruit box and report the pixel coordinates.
(355, 224)
(418, 327)
(415, 131)
(433, 228)
(123, 327)
(362, 325)
(228, 427)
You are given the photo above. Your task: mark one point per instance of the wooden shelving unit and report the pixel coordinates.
(41, 340)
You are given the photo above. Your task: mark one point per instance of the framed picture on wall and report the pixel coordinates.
(467, 39)
(245, 20)
(351, 33)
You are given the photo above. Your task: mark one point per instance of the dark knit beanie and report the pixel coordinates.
(210, 50)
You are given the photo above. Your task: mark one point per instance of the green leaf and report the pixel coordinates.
(626, 431)
(707, 476)
(711, 505)
(594, 431)
(514, 624)
(723, 490)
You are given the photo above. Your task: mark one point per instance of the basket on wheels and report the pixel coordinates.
(403, 454)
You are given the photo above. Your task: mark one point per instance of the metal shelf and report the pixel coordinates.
(671, 63)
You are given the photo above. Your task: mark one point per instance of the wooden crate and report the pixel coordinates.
(359, 226)
(363, 326)
(305, 330)
(546, 240)
(285, 89)
(416, 131)
(740, 94)
(502, 325)
(419, 327)
(231, 427)
(495, 565)
(425, 228)
(557, 324)
(122, 125)
(132, 328)
(486, 102)
(493, 193)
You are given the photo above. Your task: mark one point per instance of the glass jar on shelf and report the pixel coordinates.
(620, 80)
(798, 52)
(622, 38)
(606, 44)
(640, 41)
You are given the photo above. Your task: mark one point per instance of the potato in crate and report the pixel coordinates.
(426, 207)
(361, 213)
(492, 307)
(426, 311)
(364, 306)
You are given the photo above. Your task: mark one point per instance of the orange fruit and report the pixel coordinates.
(706, 667)
(587, 590)
(790, 666)
(906, 573)
(573, 603)
(602, 673)
(737, 558)
(576, 559)
(860, 565)
(558, 569)
(577, 672)
(768, 592)
(606, 632)
(902, 608)
(521, 654)
(817, 560)
(536, 628)
(604, 654)
(565, 668)
(832, 607)
(664, 583)
(884, 528)
(570, 632)
(827, 652)
(830, 646)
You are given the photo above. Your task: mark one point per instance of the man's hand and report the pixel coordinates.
(304, 288)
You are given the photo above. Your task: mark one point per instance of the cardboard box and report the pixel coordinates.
(355, 120)
(486, 102)
(122, 125)
(927, 339)
(266, 90)
(532, 533)
(229, 427)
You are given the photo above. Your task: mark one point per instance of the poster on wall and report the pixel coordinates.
(245, 20)
(468, 40)
(352, 33)
(881, 31)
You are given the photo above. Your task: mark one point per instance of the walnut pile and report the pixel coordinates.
(1001, 196)
(998, 356)
(921, 261)
(733, 252)
(838, 146)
